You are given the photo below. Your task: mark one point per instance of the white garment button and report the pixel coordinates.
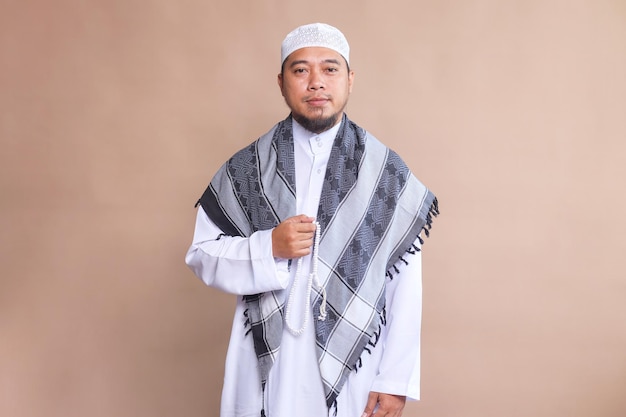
(319, 171)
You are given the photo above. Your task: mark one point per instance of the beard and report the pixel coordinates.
(317, 124)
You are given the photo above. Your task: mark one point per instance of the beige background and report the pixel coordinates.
(114, 115)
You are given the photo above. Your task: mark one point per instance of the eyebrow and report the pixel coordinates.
(304, 61)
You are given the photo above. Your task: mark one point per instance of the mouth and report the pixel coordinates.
(317, 101)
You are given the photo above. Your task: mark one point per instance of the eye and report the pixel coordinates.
(299, 71)
(332, 69)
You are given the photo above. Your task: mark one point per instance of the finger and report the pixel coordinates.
(391, 405)
(300, 218)
(307, 229)
(372, 399)
(302, 244)
(304, 235)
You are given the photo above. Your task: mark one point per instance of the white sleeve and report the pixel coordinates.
(235, 265)
(399, 370)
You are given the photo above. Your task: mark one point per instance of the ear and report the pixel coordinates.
(280, 83)
(350, 80)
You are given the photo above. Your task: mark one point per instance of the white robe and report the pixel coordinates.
(244, 266)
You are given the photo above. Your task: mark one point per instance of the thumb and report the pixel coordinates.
(372, 400)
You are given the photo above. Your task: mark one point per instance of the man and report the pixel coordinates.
(316, 227)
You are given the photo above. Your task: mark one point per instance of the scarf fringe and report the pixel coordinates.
(335, 406)
(247, 322)
(263, 399)
(433, 212)
(374, 341)
(413, 249)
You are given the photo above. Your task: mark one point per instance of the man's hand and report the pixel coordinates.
(389, 405)
(293, 238)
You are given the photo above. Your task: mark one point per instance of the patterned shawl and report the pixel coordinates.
(371, 211)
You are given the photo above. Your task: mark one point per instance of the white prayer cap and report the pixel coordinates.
(315, 35)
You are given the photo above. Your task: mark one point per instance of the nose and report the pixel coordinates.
(316, 81)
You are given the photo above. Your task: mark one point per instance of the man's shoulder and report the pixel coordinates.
(251, 148)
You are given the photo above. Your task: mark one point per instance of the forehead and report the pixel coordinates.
(314, 55)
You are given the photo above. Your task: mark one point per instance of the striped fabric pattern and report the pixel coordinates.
(372, 209)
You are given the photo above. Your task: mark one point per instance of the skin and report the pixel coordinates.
(293, 237)
(316, 84)
(389, 405)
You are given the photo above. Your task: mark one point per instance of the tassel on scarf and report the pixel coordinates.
(247, 323)
(263, 399)
(334, 405)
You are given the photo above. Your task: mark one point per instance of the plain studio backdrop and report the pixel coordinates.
(114, 115)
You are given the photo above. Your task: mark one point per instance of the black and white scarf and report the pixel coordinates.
(371, 211)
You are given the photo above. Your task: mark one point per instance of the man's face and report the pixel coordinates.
(316, 84)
